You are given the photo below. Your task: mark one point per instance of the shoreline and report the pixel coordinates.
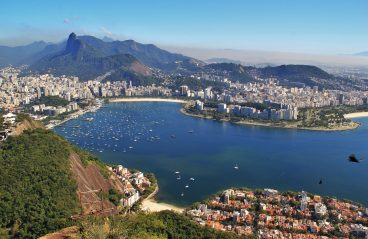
(74, 116)
(270, 125)
(356, 115)
(148, 99)
(151, 205)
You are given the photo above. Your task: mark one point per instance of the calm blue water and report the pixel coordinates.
(155, 137)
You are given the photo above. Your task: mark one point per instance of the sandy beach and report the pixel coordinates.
(152, 205)
(356, 115)
(134, 99)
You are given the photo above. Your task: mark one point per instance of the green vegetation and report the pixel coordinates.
(37, 188)
(153, 186)
(137, 79)
(51, 101)
(1, 121)
(165, 224)
(327, 116)
(38, 196)
(235, 72)
(22, 117)
(114, 196)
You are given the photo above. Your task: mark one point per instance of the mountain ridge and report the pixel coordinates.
(87, 62)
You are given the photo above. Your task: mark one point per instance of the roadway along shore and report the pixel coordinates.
(135, 99)
(74, 115)
(356, 115)
(151, 205)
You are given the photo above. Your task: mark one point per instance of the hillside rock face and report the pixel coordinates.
(73, 45)
(90, 184)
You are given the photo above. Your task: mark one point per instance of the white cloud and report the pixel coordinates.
(106, 31)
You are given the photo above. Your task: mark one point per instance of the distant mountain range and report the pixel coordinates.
(87, 60)
(89, 57)
(104, 59)
(20, 54)
(288, 75)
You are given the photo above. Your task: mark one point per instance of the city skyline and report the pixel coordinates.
(312, 27)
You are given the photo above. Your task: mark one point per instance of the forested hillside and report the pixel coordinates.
(37, 188)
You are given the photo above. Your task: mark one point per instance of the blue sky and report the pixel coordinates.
(303, 26)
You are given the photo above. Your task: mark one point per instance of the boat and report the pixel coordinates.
(187, 186)
(89, 119)
(177, 172)
(178, 178)
(191, 179)
(182, 194)
(191, 131)
(236, 167)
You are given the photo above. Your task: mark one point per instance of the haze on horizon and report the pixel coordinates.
(264, 31)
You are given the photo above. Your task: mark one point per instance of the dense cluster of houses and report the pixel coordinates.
(7, 125)
(271, 214)
(135, 183)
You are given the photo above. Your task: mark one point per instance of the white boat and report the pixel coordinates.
(236, 167)
(187, 186)
(191, 179)
(177, 172)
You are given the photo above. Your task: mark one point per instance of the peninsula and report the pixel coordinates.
(315, 119)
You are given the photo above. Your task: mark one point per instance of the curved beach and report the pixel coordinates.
(356, 115)
(135, 99)
(153, 206)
